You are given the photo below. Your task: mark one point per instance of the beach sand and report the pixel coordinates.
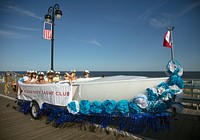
(186, 127)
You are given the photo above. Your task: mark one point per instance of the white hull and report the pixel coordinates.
(113, 88)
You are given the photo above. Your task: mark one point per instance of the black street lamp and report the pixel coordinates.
(53, 10)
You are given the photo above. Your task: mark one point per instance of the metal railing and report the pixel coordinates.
(192, 93)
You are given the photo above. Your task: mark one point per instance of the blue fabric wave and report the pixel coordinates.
(151, 95)
(141, 100)
(167, 95)
(96, 107)
(163, 85)
(174, 68)
(122, 106)
(25, 107)
(72, 106)
(168, 104)
(150, 107)
(176, 80)
(176, 89)
(84, 107)
(134, 108)
(109, 106)
(160, 107)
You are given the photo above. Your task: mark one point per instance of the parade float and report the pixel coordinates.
(133, 104)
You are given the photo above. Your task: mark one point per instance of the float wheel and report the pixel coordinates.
(35, 110)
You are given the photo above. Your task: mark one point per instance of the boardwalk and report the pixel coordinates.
(17, 126)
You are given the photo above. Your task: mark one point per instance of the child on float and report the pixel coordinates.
(73, 75)
(40, 78)
(50, 76)
(86, 74)
(34, 77)
(27, 78)
(68, 77)
(56, 77)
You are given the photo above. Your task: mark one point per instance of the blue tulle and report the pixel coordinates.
(109, 106)
(160, 107)
(150, 107)
(96, 107)
(65, 116)
(122, 106)
(141, 101)
(55, 111)
(176, 89)
(174, 68)
(151, 95)
(72, 106)
(24, 106)
(84, 107)
(168, 104)
(176, 80)
(162, 85)
(134, 108)
(167, 95)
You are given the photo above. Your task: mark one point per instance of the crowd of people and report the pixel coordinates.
(34, 77)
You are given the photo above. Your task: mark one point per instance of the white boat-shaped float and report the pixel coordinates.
(113, 87)
(108, 88)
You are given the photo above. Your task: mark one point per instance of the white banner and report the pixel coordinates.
(55, 94)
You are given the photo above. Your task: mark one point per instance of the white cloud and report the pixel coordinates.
(22, 11)
(161, 20)
(146, 15)
(155, 19)
(188, 9)
(151, 17)
(12, 35)
(23, 28)
(92, 41)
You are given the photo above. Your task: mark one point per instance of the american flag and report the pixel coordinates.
(47, 31)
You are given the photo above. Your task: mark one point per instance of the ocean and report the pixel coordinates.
(186, 75)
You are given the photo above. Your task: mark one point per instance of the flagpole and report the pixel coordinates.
(171, 42)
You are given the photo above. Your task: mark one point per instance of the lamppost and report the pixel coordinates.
(53, 10)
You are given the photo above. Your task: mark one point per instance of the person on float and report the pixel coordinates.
(27, 78)
(50, 76)
(73, 74)
(56, 77)
(40, 78)
(34, 77)
(86, 74)
(68, 76)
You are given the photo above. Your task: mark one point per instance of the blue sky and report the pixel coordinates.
(100, 35)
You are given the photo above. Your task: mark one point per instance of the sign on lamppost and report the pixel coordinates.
(47, 31)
